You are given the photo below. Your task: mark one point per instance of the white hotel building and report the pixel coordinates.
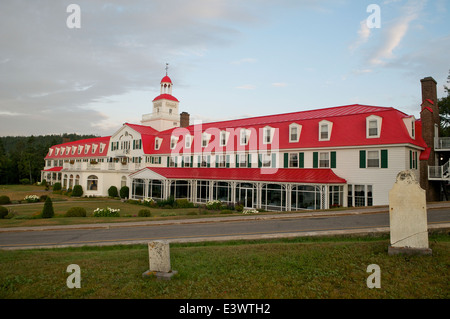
(339, 156)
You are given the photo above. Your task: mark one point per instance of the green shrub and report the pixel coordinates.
(57, 187)
(4, 200)
(76, 212)
(239, 207)
(167, 203)
(3, 212)
(226, 211)
(47, 211)
(124, 192)
(144, 213)
(24, 181)
(42, 198)
(214, 205)
(183, 203)
(77, 191)
(113, 192)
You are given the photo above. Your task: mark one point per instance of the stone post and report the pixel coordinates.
(159, 260)
(408, 216)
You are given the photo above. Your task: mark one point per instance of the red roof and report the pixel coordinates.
(74, 147)
(54, 169)
(165, 96)
(285, 175)
(166, 79)
(349, 129)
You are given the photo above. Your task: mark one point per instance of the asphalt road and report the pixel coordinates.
(211, 229)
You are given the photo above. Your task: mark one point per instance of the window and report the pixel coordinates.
(92, 183)
(373, 126)
(267, 135)
(293, 160)
(205, 139)
(186, 161)
(373, 159)
(266, 160)
(360, 195)
(294, 132)
(325, 130)
(204, 161)
(188, 140)
(223, 138)
(242, 160)
(324, 160)
(157, 143)
(221, 161)
(172, 161)
(412, 159)
(245, 134)
(173, 142)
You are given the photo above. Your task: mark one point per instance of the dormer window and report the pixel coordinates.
(80, 149)
(223, 138)
(373, 126)
(157, 143)
(187, 141)
(267, 135)
(325, 130)
(173, 142)
(244, 136)
(205, 139)
(294, 132)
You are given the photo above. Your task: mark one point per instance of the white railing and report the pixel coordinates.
(439, 172)
(442, 143)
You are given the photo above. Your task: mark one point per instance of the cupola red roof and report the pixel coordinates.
(166, 79)
(165, 96)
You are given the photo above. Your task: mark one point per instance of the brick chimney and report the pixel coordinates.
(184, 119)
(429, 116)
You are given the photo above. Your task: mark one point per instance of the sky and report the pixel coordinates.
(89, 73)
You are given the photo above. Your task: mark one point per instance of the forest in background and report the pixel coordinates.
(22, 157)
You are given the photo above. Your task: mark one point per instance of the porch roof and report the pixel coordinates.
(279, 175)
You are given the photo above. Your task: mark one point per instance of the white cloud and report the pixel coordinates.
(279, 84)
(246, 87)
(394, 33)
(363, 35)
(245, 60)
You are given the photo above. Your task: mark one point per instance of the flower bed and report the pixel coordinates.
(31, 198)
(106, 212)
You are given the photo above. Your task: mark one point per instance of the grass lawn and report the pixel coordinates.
(61, 203)
(303, 268)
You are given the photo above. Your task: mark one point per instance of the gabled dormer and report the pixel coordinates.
(410, 124)
(325, 129)
(373, 126)
(294, 132)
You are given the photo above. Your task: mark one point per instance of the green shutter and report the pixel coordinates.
(301, 160)
(192, 161)
(410, 159)
(237, 160)
(209, 161)
(286, 160)
(227, 163)
(259, 160)
(362, 159)
(333, 159)
(384, 158)
(199, 159)
(417, 159)
(176, 161)
(168, 159)
(249, 162)
(315, 160)
(217, 160)
(274, 160)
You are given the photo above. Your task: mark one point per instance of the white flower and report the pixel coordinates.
(250, 211)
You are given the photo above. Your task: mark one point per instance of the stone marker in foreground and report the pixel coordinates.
(159, 260)
(408, 216)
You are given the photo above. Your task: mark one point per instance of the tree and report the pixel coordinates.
(444, 110)
(48, 211)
